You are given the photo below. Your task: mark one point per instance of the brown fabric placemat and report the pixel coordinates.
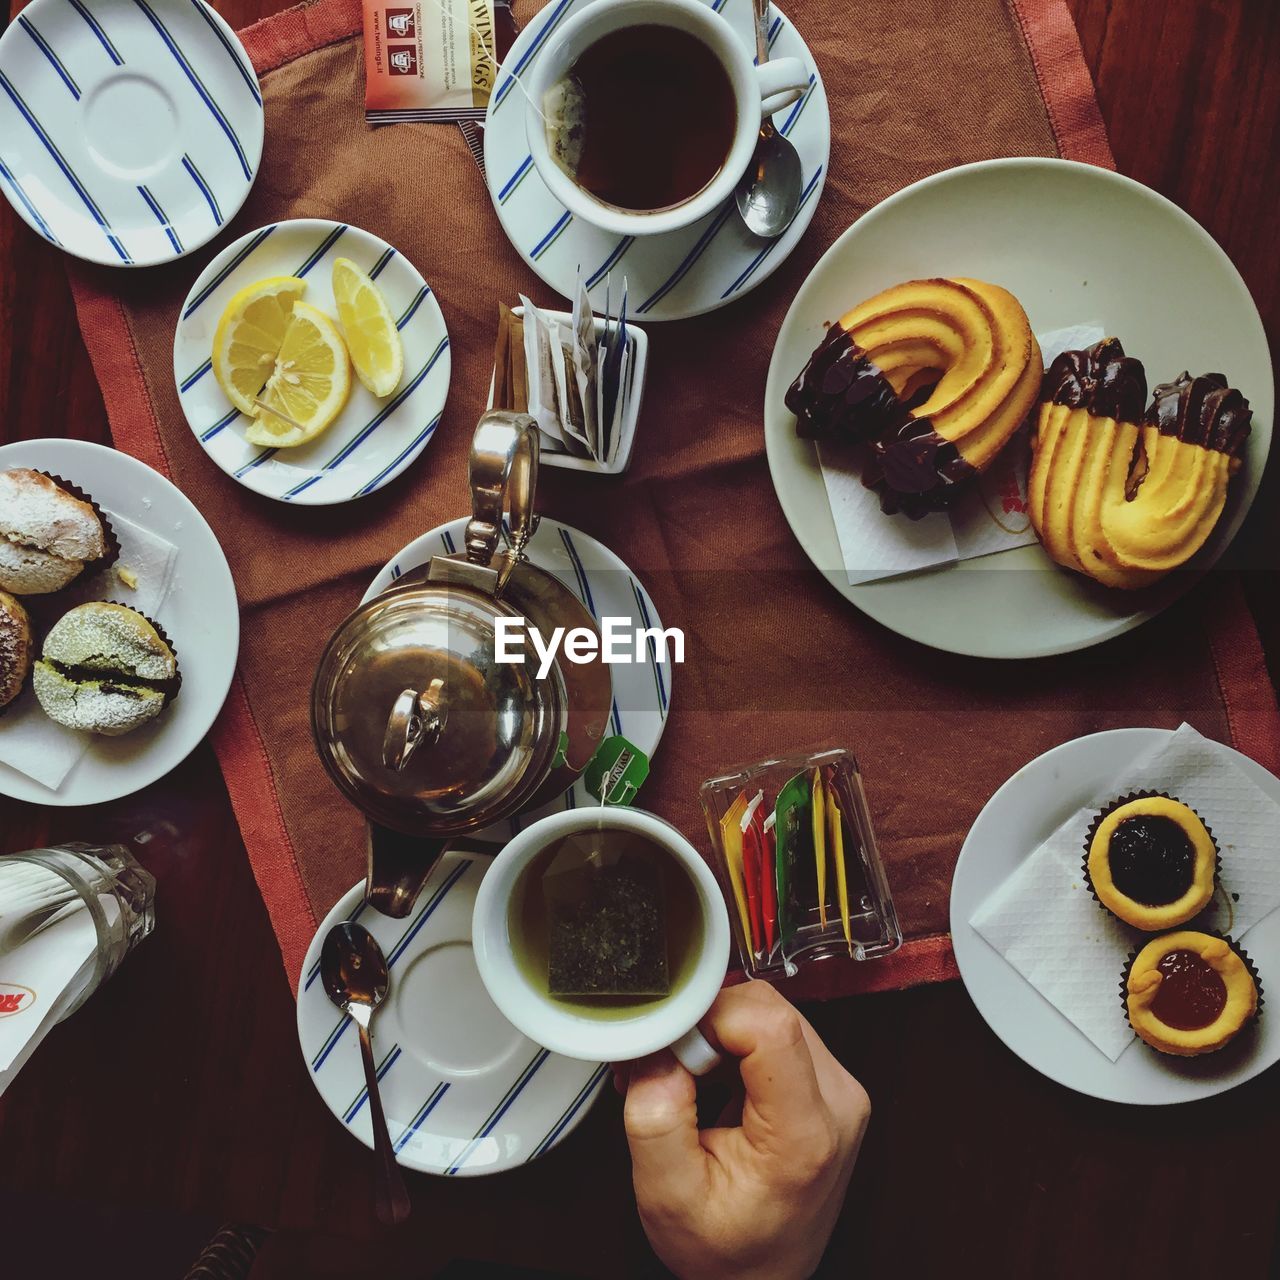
(777, 660)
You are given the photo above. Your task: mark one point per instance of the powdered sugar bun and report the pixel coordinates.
(15, 648)
(49, 531)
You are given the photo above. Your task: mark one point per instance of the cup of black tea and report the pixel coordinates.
(642, 115)
(601, 933)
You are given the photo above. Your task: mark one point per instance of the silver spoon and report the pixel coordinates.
(768, 194)
(354, 972)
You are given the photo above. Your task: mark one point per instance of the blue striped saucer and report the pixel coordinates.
(685, 273)
(130, 130)
(372, 441)
(641, 690)
(464, 1092)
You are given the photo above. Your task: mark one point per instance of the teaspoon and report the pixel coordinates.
(354, 973)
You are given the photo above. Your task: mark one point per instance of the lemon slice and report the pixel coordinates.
(371, 333)
(249, 337)
(308, 386)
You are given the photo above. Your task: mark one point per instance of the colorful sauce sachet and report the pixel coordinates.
(731, 843)
(835, 827)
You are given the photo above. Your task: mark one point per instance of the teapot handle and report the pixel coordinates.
(503, 473)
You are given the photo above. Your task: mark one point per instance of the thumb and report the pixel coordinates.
(668, 1163)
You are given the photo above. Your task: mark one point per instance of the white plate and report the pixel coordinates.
(464, 1092)
(1075, 244)
(130, 130)
(1012, 825)
(697, 269)
(200, 615)
(372, 441)
(641, 691)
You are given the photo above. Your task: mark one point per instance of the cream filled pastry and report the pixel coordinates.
(47, 534)
(935, 376)
(1122, 495)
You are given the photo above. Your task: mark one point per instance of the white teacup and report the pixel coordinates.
(758, 92)
(670, 1023)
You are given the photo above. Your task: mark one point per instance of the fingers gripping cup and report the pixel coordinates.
(602, 934)
(642, 115)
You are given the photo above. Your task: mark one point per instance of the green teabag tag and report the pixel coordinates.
(606, 927)
(616, 771)
(795, 869)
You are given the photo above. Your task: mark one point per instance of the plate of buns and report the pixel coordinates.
(119, 626)
(1129, 461)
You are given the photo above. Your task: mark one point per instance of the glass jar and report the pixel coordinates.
(41, 886)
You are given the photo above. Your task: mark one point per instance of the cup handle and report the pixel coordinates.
(781, 82)
(694, 1053)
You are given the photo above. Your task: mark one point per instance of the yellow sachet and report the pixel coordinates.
(835, 823)
(731, 842)
(818, 809)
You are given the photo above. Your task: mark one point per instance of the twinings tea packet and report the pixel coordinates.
(606, 926)
(434, 60)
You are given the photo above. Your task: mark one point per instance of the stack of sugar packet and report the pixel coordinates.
(48, 946)
(989, 517)
(1044, 921)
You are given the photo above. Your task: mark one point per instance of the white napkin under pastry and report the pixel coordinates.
(1044, 921)
(30, 742)
(989, 517)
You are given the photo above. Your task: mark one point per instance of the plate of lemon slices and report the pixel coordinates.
(312, 361)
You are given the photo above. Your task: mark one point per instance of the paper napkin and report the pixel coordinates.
(29, 741)
(991, 516)
(1044, 921)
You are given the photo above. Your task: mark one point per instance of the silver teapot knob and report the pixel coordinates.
(415, 718)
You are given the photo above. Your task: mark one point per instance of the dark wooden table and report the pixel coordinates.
(177, 1100)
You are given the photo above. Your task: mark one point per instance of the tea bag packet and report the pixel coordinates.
(435, 60)
(571, 373)
(606, 924)
(836, 843)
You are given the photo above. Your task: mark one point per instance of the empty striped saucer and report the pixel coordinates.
(683, 273)
(464, 1092)
(130, 130)
(372, 441)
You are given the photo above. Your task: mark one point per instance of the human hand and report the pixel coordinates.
(757, 1201)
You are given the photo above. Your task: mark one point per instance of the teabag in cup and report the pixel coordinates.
(606, 920)
(564, 111)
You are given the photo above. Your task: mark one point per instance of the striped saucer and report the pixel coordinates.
(130, 130)
(372, 441)
(683, 273)
(465, 1093)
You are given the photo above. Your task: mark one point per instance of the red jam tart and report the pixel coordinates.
(1189, 993)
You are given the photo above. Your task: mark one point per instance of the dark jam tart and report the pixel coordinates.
(1151, 861)
(1188, 993)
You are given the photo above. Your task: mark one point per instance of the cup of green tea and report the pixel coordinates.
(641, 115)
(601, 934)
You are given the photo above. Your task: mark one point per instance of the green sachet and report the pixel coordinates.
(606, 929)
(795, 869)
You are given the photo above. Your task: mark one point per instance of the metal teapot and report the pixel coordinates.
(413, 716)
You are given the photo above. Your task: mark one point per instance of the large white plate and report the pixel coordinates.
(641, 691)
(372, 440)
(1014, 822)
(130, 130)
(698, 268)
(200, 615)
(464, 1092)
(1075, 244)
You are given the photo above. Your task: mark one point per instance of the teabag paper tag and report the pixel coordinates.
(606, 922)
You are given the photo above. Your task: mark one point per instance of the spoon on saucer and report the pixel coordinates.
(768, 194)
(354, 973)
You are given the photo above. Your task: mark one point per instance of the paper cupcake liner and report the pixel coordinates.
(1109, 809)
(1210, 933)
(112, 553)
